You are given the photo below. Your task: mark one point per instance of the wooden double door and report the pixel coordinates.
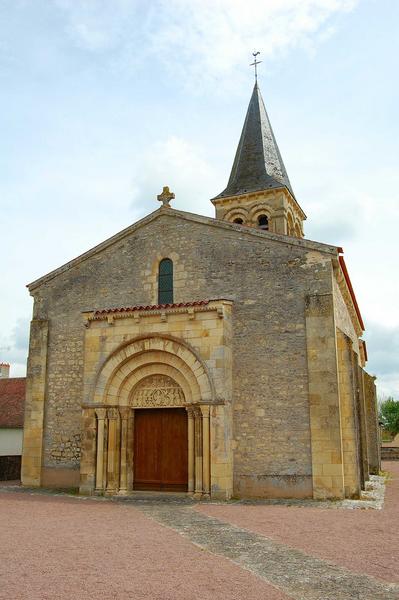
(160, 449)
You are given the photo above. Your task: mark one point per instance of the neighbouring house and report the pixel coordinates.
(12, 402)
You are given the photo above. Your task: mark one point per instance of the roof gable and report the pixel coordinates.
(185, 216)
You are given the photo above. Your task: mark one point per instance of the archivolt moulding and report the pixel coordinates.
(236, 213)
(151, 355)
(257, 210)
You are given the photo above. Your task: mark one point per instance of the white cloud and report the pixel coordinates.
(383, 350)
(200, 40)
(86, 193)
(96, 25)
(14, 347)
(184, 168)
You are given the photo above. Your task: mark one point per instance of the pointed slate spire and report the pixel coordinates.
(258, 164)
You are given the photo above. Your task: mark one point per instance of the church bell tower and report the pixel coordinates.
(259, 193)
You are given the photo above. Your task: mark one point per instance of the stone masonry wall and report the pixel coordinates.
(325, 425)
(349, 416)
(342, 317)
(266, 277)
(373, 433)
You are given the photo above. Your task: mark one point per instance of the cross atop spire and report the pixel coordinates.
(255, 64)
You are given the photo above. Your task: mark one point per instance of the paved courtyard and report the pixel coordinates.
(56, 547)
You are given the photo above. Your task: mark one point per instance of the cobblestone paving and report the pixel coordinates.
(298, 575)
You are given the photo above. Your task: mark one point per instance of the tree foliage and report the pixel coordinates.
(389, 415)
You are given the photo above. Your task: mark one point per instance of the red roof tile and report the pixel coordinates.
(351, 291)
(152, 307)
(12, 401)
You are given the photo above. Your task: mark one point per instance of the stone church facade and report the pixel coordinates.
(221, 357)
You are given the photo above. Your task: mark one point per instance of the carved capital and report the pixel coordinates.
(101, 413)
(190, 412)
(112, 413)
(197, 411)
(125, 412)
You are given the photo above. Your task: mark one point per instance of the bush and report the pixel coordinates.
(389, 415)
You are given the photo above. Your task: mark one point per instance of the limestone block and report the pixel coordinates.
(34, 404)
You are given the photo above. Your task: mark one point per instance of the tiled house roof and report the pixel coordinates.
(151, 307)
(12, 402)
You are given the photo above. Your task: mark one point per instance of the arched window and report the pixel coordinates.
(290, 225)
(239, 221)
(165, 281)
(263, 222)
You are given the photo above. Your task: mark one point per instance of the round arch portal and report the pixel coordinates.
(124, 368)
(152, 372)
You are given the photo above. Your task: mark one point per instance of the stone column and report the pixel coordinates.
(373, 434)
(324, 399)
(112, 482)
(105, 461)
(124, 413)
(362, 419)
(280, 221)
(34, 404)
(88, 448)
(349, 417)
(129, 450)
(191, 452)
(198, 452)
(205, 450)
(101, 414)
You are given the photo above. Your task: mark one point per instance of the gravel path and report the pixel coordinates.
(364, 541)
(56, 548)
(301, 576)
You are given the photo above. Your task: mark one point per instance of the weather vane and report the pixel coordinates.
(255, 64)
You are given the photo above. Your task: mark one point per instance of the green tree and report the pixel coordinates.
(389, 415)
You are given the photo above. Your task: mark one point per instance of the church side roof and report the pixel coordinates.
(350, 288)
(178, 214)
(258, 164)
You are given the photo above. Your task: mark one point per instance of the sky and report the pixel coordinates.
(102, 103)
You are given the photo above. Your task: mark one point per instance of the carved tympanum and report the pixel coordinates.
(157, 390)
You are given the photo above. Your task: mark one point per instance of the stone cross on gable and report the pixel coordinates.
(166, 196)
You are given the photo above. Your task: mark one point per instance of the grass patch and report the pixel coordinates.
(387, 475)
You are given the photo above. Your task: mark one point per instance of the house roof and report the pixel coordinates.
(258, 164)
(12, 402)
(186, 216)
